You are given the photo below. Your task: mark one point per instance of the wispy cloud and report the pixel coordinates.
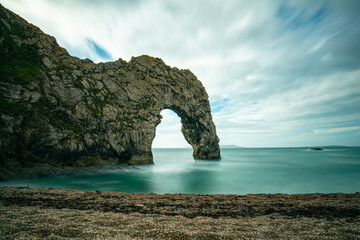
(336, 130)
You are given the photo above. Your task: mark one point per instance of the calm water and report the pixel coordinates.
(241, 171)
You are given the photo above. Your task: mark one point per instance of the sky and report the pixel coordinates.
(278, 73)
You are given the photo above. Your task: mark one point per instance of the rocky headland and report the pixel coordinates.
(58, 111)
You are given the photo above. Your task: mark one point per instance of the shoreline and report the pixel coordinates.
(185, 216)
(43, 170)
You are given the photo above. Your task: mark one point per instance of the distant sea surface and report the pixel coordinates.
(240, 171)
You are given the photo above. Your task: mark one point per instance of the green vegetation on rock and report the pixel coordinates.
(11, 107)
(65, 123)
(145, 105)
(94, 110)
(19, 64)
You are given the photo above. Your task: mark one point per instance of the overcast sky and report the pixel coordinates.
(278, 73)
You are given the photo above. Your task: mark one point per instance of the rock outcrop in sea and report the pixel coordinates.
(59, 110)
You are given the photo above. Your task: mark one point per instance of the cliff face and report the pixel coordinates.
(60, 110)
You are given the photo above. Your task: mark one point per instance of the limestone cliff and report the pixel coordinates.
(60, 110)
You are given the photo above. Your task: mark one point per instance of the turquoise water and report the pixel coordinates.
(241, 171)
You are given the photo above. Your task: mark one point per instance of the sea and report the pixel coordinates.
(240, 171)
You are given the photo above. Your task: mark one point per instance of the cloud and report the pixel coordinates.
(274, 70)
(336, 130)
(297, 18)
(326, 103)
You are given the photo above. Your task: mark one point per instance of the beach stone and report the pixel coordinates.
(58, 108)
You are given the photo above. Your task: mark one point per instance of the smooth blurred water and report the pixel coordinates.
(241, 171)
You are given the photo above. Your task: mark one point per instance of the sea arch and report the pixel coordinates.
(181, 92)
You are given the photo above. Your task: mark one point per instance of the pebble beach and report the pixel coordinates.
(27, 213)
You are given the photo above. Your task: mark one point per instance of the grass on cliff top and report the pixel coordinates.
(19, 64)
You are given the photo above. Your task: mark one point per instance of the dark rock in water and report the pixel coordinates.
(58, 110)
(316, 149)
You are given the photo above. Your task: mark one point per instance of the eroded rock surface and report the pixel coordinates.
(59, 110)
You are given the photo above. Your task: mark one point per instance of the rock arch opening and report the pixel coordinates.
(168, 132)
(196, 126)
